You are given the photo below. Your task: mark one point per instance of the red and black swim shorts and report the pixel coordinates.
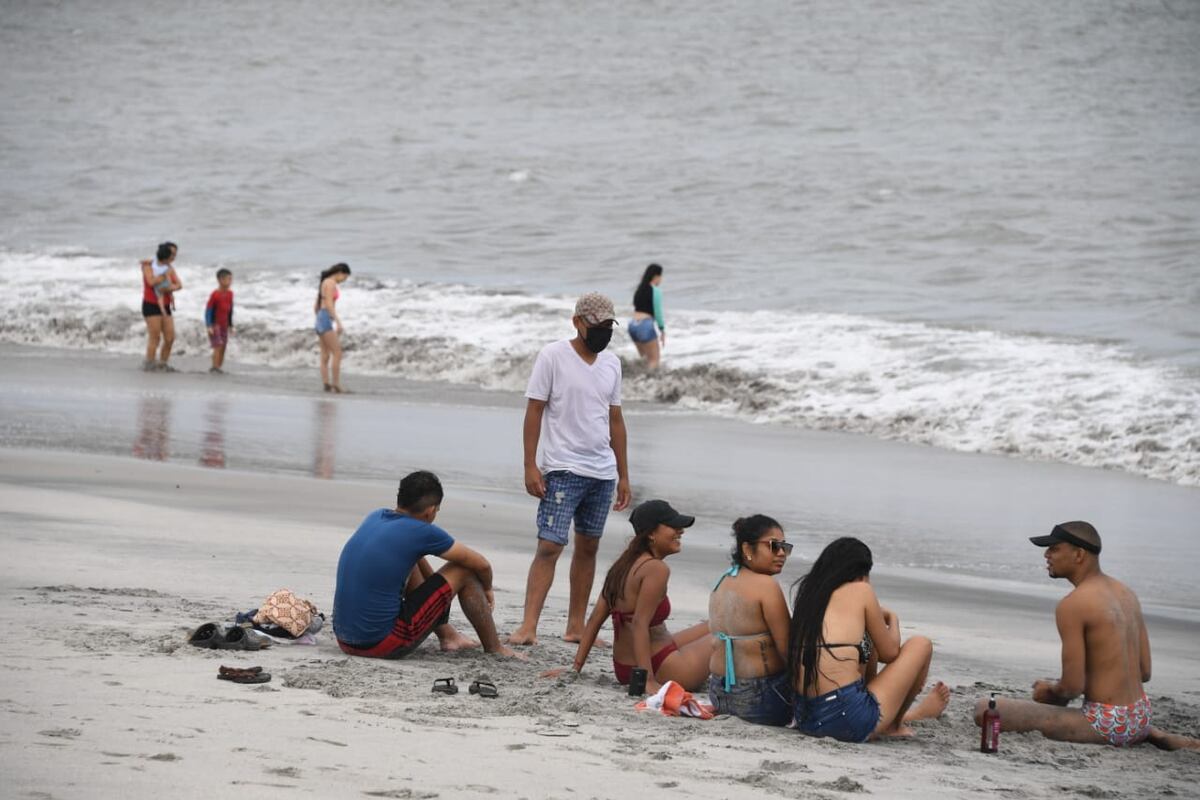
(425, 608)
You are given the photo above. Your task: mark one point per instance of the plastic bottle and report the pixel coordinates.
(989, 735)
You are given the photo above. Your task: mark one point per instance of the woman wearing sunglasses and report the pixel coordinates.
(748, 616)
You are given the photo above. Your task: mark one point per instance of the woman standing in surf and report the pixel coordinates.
(159, 283)
(647, 313)
(329, 326)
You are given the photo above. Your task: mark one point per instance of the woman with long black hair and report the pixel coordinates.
(635, 595)
(329, 326)
(836, 618)
(647, 312)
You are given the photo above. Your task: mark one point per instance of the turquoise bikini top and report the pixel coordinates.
(728, 639)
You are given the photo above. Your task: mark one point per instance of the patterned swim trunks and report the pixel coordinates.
(1120, 725)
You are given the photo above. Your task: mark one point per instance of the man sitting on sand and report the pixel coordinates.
(1105, 656)
(388, 599)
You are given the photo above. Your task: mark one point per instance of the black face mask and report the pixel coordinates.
(597, 339)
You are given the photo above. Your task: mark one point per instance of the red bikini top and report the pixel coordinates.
(661, 613)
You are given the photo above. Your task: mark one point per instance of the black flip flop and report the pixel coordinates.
(483, 689)
(245, 676)
(445, 686)
(223, 670)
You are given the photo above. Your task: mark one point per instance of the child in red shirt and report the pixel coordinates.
(218, 317)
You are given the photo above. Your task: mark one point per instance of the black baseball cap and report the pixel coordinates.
(1080, 534)
(652, 513)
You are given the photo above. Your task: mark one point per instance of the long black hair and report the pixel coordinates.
(328, 273)
(842, 561)
(643, 295)
(748, 530)
(652, 272)
(614, 581)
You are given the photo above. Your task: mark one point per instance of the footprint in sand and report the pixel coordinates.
(62, 733)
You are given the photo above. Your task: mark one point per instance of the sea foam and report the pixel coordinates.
(1078, 402)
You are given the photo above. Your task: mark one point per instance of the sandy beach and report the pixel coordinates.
(929, 272)
(110, 561)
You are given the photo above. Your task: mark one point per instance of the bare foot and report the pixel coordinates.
(508, 652)
(574, 638)
(522, 638)
(453, 642)
(931, 706)
(901, 731)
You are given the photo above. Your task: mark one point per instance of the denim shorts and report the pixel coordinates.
(642, 330)
(573, 497)
(324, 322)
(848, 714)
(763, 701)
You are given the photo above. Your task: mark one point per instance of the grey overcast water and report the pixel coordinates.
(969, 225)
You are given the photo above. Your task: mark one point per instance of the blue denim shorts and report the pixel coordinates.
(642, 330)
(763, 701)
(324, 322)
(573, 497)
(848, 714)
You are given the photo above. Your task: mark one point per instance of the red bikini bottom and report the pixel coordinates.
(625, 671)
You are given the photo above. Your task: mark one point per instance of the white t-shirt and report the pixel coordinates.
(575, 431)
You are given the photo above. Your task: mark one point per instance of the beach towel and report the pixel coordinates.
(673, 700)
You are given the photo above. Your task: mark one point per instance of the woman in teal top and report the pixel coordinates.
(647, 313)
(748, 616)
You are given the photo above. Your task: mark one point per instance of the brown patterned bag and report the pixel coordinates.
(289, 612)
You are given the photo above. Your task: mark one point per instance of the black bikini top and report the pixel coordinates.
(863, 648)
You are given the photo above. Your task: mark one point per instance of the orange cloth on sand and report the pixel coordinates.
(673, 700)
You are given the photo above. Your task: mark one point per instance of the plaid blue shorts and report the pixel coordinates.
(570, 496)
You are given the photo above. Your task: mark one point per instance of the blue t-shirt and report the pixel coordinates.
(373, 570)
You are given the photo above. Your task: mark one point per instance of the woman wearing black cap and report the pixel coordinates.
(635, 594)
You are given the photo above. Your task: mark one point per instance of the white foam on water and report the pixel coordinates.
(1072, 401)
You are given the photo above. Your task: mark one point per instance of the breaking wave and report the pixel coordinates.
(1077, 402)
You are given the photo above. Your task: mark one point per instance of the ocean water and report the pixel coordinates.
(974, 226)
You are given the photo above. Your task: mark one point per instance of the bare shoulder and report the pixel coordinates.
(759, 585)
(654, 567)
(857, 592)
(1083, 601)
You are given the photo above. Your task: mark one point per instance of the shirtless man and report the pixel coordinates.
(1105, 656)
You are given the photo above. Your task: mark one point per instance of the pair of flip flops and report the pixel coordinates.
(481, 688)
(212, 635)
(243, 674)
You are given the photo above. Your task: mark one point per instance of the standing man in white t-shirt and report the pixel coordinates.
(574, 412)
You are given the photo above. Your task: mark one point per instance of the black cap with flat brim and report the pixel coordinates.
(652, 513)
(1080, 534)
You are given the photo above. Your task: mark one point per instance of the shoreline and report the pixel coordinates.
(936, 513)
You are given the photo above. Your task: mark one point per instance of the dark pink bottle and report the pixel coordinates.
(989, 734)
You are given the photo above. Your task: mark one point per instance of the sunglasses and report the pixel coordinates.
(778, 546)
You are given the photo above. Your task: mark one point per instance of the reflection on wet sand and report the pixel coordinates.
(154, 424)
(212, 445)
(325, 438)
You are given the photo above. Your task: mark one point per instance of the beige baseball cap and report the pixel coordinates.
(594, 309)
